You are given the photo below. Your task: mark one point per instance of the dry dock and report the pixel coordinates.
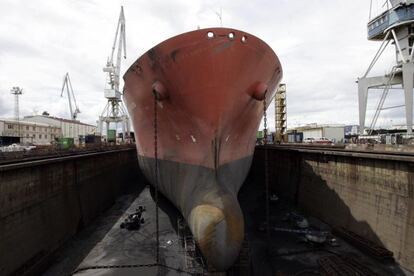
(53, 218)
(45, 201)
(368, 192)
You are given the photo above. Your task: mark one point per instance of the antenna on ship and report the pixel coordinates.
(115, 111)
(394, 25)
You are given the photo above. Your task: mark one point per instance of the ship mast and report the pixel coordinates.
(114, 111)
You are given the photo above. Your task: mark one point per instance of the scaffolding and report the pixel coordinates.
(193, 261)
(280, 113)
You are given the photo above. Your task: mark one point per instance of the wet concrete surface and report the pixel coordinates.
(103, 248)
(286, 253)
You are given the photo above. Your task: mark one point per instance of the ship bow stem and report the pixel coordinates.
(207, 199)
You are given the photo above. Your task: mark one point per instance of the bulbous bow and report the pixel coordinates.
(218, 231)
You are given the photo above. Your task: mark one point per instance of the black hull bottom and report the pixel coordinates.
(207, 199)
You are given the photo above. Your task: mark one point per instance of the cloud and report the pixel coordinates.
(6, 104)
(321, 48)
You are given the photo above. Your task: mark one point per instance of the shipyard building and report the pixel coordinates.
(42, 130)
(70, 128)
(334, 133)
(13, 131)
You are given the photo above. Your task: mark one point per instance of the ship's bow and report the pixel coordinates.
(210, 86)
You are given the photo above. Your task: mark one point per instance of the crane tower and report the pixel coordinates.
(115, 111)
(395, 25)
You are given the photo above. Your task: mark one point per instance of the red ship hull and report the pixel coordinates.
(210, 93)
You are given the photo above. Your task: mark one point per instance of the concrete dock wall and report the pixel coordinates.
(371, 195)
(45, 202)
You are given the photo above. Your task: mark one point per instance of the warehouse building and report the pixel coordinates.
(70, 128)
(335, 133)
(25, 132)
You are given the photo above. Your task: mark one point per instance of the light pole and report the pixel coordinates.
(17, 91)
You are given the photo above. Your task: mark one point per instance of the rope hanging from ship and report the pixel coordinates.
(81, 269)
(266, 172)
(156, 178)
(157, 262)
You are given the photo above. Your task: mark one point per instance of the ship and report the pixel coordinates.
(208, 90)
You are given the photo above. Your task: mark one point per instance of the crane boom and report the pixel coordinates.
(112, 69)
(67, 84)
(120, 26)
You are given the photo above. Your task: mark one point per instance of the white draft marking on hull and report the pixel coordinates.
(132, 106)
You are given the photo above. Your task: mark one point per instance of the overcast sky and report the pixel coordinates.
(322, 46)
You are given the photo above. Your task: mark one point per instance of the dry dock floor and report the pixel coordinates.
(288, 254)
(103, 248)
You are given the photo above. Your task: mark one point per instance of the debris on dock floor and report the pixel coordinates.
(105, 248)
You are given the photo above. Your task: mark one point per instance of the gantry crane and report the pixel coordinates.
(395, 27)
(67, 85)
(114, 111)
